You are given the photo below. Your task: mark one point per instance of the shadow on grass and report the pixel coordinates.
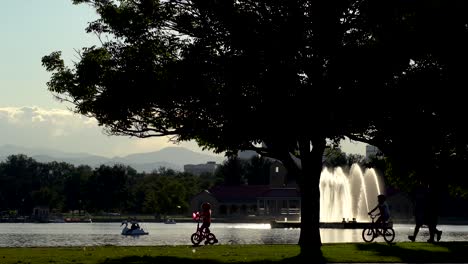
(176, 260)
(441, 252)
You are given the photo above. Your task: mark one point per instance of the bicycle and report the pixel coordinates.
(201, 235)
(374, 230)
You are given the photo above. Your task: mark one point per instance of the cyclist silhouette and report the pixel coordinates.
(384, 211)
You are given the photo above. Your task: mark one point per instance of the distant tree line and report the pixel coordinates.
(26, 183)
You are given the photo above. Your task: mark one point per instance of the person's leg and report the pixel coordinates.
(205, 228)
(416, 230)
(432, 232)
(438, 233)
(378, 225)
(202, 227)
(415, 233)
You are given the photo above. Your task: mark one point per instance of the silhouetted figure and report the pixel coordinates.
(206, 217)
(432, 214)
(384, 211)
(134, 225)
(420, 196)
(426, 212)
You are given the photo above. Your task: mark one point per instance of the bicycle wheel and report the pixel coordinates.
(389, 235)
(368, 234)
(196, 239)
(211, 239)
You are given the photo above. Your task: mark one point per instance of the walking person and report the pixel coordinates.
(426, 212)
(432, 214)
(420, 196)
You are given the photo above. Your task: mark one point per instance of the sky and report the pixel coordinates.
(29, 114)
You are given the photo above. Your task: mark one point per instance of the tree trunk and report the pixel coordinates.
(309, 185)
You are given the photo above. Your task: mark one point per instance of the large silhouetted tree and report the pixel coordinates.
(280, 77)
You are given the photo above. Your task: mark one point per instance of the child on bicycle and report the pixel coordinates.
(206, 217)
(384, 211)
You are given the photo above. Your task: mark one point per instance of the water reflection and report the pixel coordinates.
(97, 234)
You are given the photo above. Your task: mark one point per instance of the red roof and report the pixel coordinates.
(282, 192)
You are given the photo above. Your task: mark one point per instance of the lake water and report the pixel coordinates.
(98, 234)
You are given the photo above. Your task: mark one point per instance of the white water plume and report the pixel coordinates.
(350, 195)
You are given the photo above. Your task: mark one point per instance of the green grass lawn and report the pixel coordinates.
(255, 254)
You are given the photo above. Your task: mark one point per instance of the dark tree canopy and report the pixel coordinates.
(419, 117)
(290, 74)
(228, 73)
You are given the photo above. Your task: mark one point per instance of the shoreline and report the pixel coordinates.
(181, 219)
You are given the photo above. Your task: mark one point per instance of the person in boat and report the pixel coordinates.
(134, 225)
(170, 221)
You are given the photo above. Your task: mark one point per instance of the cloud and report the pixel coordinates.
(63, 130)
(66, 131)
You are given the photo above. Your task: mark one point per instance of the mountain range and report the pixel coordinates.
(171, 158)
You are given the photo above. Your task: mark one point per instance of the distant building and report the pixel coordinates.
(198, 169)
(284, 202)
(278, 174)
(279, 199)
(40, 213)
(230, 200)
(244, 200)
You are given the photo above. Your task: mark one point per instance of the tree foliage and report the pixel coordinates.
(236, 171)
(63, 187)
(419, 124)
(334, 157)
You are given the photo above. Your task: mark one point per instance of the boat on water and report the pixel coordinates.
(170, 221)
(77, 220)
(134, 230)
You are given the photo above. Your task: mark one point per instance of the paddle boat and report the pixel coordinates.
(170, 221)
(134, 230)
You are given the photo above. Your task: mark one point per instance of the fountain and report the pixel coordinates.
(348, 197)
